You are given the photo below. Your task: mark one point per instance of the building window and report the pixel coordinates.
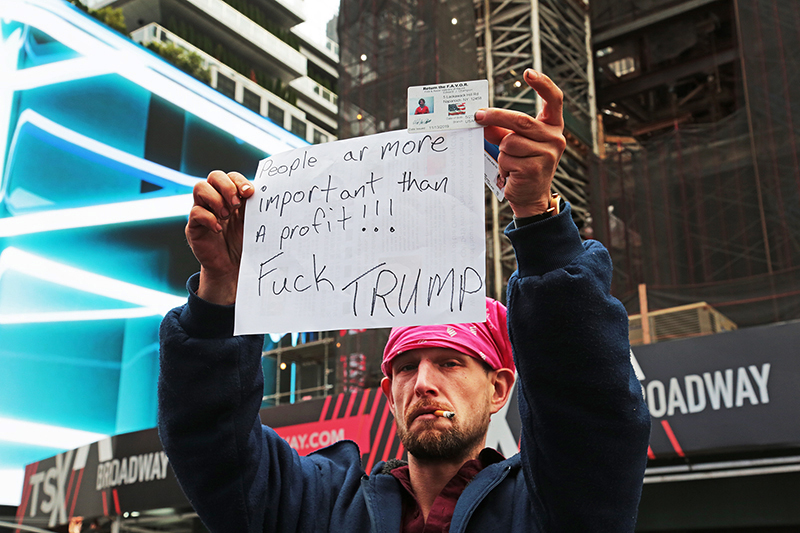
(251, 100)
(226, 86)
(623, 66)
(275, 114)
(319, 137)
(298, 127)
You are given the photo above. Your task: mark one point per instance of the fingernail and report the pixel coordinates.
(480, 114)
(224, 213)
(246, 187)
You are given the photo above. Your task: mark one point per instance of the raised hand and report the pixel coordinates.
(214, 232)
(530, 148)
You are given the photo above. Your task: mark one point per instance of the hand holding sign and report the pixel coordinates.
(530, 149)
(214, 232)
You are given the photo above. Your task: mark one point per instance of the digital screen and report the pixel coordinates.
(102, 142)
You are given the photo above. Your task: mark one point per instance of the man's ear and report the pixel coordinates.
(503, 382)
(386, 387)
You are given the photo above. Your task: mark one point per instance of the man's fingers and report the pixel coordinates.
(534, 128)
(225, 185)
(208, 197)
(222, 193)
(217, 200)
(520, 146)
(244, 187)
(200, 217)
(521, 166)
(495, 134)
(553, 97)
(501, 122)
(513, 144)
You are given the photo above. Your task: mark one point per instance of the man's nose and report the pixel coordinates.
(427, 380)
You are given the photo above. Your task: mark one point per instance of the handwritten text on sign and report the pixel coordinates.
(377, 231)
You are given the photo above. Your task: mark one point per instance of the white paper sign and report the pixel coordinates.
(376, 231)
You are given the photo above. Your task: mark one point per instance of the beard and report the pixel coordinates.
(427, 442)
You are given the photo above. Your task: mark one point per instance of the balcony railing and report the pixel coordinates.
(240, 88)
(691, 320)
(332, 46)
(291, 59)
(316, 93)
(326, 94)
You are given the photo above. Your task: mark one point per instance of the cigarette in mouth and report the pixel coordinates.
(446, 414)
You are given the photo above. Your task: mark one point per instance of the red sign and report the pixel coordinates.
(311, 436)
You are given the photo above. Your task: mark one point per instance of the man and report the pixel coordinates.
(443, 383)
(585, 426)
(421, 109)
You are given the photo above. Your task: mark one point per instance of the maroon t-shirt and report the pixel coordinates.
(441, 513)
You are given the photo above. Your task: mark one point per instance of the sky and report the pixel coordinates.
(318, 13)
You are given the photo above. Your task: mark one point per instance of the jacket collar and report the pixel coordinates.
(382, 492)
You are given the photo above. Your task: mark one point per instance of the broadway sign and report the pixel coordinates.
(734, 391)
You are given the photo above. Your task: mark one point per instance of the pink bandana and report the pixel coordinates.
(487, 341)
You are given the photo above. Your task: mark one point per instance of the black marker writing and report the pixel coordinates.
(281, 200)
(410, 146)
(350, 157)
(441, 290)
(262, 274)
(355, 292)
(375, 294)
(408, 183)
(318, 275)
(271, 168)
(441, 282)
(319, 279)
(413, 295)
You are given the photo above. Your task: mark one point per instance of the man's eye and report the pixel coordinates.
(450, 364)
(406, 368)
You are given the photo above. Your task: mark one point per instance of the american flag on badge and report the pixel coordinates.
(456, 109)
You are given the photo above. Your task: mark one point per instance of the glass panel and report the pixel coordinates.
(251, 100)
(226, 86)
(299, 127)
(275, 114)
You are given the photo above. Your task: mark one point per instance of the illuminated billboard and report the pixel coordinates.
(101, 144)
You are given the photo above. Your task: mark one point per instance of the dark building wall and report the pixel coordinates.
(403, 43)
(705, 185)
(744, 504)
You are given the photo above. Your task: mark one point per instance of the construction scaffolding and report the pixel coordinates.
(709, 210)
(387, 46)
(553, 37)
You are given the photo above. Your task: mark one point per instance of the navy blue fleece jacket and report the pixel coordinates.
(585, 427)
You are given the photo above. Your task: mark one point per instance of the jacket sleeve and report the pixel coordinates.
(585, 426)
(240, 476)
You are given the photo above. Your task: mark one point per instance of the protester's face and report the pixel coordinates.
(428, 379)
(421, 103)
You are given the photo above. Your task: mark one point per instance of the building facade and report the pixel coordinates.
(256, 53)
